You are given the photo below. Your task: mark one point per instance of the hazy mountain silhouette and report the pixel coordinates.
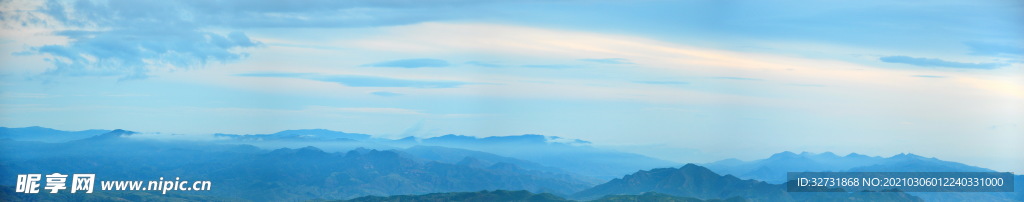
(689, 180)
(915, 163)
(699, 182)
(774, 168)
(301, 135)
(36, 133)
(243, 171)
(112, 135)
(484, 159)
(340, 167)
(571, 155)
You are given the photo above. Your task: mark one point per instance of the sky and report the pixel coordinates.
(688, 81)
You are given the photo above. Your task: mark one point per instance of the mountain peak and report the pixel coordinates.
(311, 149)
(410, 138)
(907, 156)
(828, 155)
(853, 154)
(451, 138)
(785, 154)
(520, 139)
(114, 134)
(688, 180)
(690, 168)
(694, 167)
(319, 134)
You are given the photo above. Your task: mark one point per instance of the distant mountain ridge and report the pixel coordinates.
(526, 139)
(543, 152)
(245, 171)
(373, 172)
(301, 135)
(699, 182)
(451, 163)
(36, 133)
(689, 180)
(774, 168)
(114, 134)
(483, 159)
(569, 154)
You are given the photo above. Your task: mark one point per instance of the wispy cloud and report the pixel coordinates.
(931, 62)
(385, 94)
(614, 61)
(363, 81)
(133, 39)
(549, 66)
(663, 82)
(484, 64)
(257, 14)
(369, 81)
(411, 63)
(929, 76)
(736, 78)
(132, 54)
(805, 85)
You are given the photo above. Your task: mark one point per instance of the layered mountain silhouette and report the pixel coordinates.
(371, 172)
(484, 159)
(573, 155)
(297, 165)
(689, 180)
(301, 135)
(36, 133)
(576, 156)
(248, 172)
(699, 182)
(774, 168)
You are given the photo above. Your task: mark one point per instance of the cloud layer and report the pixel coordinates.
(133, 53)
(931, 62)
(129, 39)
(132, 38)
(411, 63)
(364, 81)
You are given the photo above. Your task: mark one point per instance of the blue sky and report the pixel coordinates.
(690, 81)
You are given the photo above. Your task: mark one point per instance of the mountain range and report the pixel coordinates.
(774, 168)
(36, 133)
(248, 172)
(699, 182)
(576, 156)
(298, 165)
